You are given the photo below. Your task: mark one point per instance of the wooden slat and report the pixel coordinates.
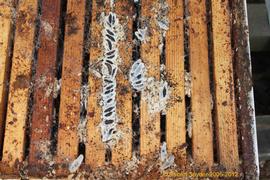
(150, 54)
(44, 82)
(224, 85)
(245, 97)
(69, 117)
(202, 135)
(20, 82)
(175, 115)
(123, 149)
(5, 40)
(95, 149)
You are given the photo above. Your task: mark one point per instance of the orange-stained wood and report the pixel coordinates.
(69, 115)
(175, 114)
(123, 149)
(19, 91)
(6, 8)
(95, 148)
(150, 55)
(224, 86)
(41, 124)
(202, 135)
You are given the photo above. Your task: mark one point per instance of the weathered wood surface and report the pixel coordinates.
(201, 115)
(6, 9)
(42, 116)
(69, 115)
(95, 149)
(224, 85)
(19, 90)
(244, 95)
(123, 150)
(174, 51)
(150, 55)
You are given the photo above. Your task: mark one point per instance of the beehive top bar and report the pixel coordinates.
(179, 97)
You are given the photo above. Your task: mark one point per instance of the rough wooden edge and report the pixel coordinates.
(244, 90)
(69, 114)
(225, 110)
(202, 132)
(174, 54)
(13, 150)
(42, 117)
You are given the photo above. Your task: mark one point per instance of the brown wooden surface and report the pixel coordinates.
(67, 148)
(14, 140)
(123, 149)
(69, 117)
(5, 42)
(150, 55)
(224, 85)
(202, 132)
(95, 149)
(44, 83)
(175, 115)
(245, 95)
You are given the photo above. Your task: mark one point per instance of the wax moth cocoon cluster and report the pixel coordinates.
(137, 75)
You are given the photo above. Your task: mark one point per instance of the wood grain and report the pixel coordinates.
(202, 132)
(6, 8)
(150, 55)
(69, 117)
(224, 85)
(44, 83)
(14, 140)
(245, 96)
(123, 149)
(95, 149)
(175, 115)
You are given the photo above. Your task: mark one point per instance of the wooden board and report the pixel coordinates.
(42, 116)
(95, 149)
(175, 115)
(202, 132)
(14, 140)
(224, 85)
(244, 96)
(5, 42)
(69, 117)
(203, 146)
(123, 149)
(150, 55)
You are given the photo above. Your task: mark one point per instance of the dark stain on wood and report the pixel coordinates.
(21, 82)
(72, 25)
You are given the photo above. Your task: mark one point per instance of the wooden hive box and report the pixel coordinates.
(52, 75)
